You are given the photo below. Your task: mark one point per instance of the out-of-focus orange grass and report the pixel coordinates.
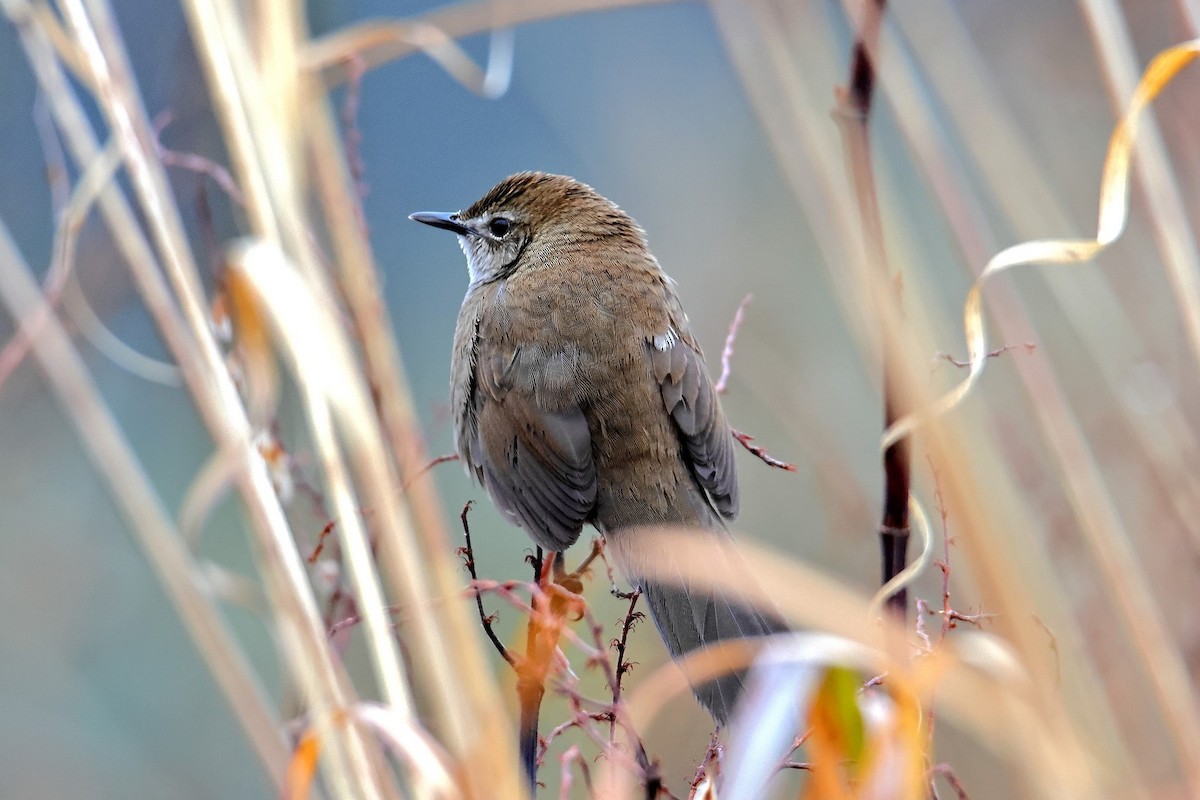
(1037, 507)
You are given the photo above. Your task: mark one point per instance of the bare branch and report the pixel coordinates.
(730, 338)
(485, 619)
(1028, 347)
(744, 439)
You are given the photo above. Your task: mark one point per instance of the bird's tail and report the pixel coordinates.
(690, 613)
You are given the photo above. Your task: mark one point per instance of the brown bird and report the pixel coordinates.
(581, 397)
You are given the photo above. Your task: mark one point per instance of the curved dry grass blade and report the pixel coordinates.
(1015, 722)
(778, 694)
(995, 142)
(468, 715)
(1164, 664)
(186, 330)
(426, 760)
(911, 572)
(1114, 202)
(112, 346)
(491, 82)
(381, 41)
(448, 667)
(95, 177)
(41, 16)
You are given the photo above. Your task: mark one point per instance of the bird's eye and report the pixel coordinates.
(499, 227)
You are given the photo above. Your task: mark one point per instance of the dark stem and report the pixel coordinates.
(894, 530)
(485, 619)
(623, 666)
(856, 101)
(862, 69)
(650, 770)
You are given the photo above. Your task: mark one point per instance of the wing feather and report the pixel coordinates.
(535, 463)
(690, 399)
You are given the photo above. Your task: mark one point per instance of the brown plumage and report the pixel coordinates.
(580, 396)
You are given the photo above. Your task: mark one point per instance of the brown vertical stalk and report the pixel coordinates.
(854, 110)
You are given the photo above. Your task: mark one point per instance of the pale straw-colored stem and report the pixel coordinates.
(216, 396)
(148, 521)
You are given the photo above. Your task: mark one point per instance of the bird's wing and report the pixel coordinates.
(535, 463)
(691, 400)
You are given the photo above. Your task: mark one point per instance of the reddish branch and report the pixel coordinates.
(554, 602)
(949, 617)
(541, 644)
(722, 385)
(321, 537)
(572, 755)
(353, 620)
(744, 439)
(947, 772)
(435, 462)
(711, 763)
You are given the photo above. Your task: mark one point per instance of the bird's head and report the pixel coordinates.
(528, 214)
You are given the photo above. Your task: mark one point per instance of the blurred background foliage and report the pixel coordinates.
(101, 690)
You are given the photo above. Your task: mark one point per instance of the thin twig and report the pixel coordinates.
(631, 618)
(944, 564)
(468, 554)
(744, 439)
(947, 772)
(566, 759)
(612, 580)
(321, 537)
(786, 762)
(1053, 647)
(730, 339)
(433, 463)
(597, 551)
(1028, 347)
(194, 162)
(711, 756)
(354, 620)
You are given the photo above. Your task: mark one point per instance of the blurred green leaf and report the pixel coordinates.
(835, 710)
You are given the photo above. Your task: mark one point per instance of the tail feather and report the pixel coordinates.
(689, 619)
(689, 616)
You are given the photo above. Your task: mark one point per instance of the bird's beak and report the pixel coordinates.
(440, 219)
